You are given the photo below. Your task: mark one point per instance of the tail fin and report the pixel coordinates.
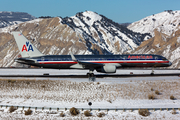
(26, 48)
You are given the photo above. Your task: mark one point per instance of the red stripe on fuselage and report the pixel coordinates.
(56, 62)
(72, 62)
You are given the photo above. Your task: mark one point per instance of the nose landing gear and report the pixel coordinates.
(152, 72)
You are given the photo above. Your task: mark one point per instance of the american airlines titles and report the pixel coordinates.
(139, 57)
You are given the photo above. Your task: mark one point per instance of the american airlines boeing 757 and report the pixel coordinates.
(101, 63)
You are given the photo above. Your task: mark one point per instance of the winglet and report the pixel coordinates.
(73, 58)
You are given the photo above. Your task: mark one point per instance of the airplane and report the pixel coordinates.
(101, 63)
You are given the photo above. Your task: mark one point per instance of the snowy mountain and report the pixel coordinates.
(125, 24)
(165, 29)
(167, 47)
(91, 33)
(85, 33)
(12, 18)
(167, 22)
(108, 35)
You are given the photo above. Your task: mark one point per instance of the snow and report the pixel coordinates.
(35, 20)
(164, 22)
(53, 50)
(90, 23)
(158, 45)
(8, 29)
(119, 115)
(93, 17)
(166, 51)
(175, 54)
(178, 39)
(77, 92)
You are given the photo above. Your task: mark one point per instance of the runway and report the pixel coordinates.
(121, 75)
(46, 75)
(73, 73)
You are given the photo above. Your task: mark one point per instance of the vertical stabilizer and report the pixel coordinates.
(26, 48)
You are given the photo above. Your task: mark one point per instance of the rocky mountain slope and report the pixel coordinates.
(85, 33)
(110, 36)
(12, 18)
(166, 22)
(165, 29)
(91, 33)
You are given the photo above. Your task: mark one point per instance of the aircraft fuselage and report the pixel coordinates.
(121, 61)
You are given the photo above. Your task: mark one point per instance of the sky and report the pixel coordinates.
(121, 11)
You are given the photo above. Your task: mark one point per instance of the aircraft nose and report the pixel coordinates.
(170, 63)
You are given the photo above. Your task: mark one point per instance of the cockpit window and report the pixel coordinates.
(164, 59)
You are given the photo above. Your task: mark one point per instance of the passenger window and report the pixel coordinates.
(164, 59)
(42, 59)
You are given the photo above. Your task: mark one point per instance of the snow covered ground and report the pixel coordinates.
(104, 93)
(110, 115)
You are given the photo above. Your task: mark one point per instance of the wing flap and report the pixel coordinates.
(90, 64)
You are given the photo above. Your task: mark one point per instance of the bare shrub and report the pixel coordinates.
(12, 109)
(151, 96)
(152, 89)
(173, 111)
(62, 114)
(101, 114)
(87, 113)
(27, 82)
(109, 101)
(157, 92)
(28, 112)
(172, 97)
(144, 112)
(43, 86)
(11, 81)
(74, 111)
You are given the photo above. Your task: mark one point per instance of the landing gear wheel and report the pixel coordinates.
(152, 73)
(90, 75)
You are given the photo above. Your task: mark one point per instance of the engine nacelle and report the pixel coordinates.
(107, 69)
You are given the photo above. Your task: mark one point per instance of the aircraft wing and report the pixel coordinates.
(86, 64)
(90, 64)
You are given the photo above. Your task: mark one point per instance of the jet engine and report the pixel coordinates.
(107, 69)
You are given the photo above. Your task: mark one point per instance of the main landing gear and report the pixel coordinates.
(91, 75)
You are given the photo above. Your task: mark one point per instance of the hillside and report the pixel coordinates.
(167, 22)
(85, 33)
(165, 30)
(12, 18)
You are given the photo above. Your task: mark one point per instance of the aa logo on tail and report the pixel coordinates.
(27, 47)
